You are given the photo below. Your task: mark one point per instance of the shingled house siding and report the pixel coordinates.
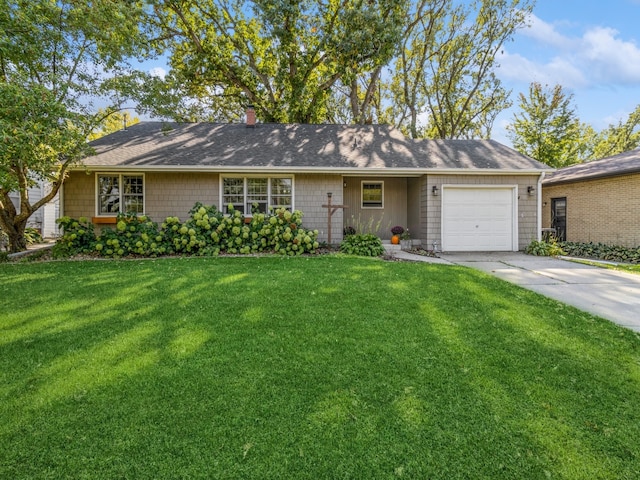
(394, 211)
(79, 195)
(414, 202)
(310, 193)
(527, 226)
(174, 194)
(603, 210)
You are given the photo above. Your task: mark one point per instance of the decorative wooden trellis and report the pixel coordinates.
(331, 209)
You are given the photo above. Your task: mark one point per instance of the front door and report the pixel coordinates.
(559, 217)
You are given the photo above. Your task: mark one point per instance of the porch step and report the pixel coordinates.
(390, 247)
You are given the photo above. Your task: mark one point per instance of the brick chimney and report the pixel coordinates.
(251, 117)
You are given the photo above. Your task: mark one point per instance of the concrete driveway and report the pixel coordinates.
(610, 294)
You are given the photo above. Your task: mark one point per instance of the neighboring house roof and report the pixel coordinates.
(621, 164)
(296, 147)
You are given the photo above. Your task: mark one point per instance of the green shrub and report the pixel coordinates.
(32, 236)
(207, 231)
(601, 251)
(133, 235)
(284, 234)
(77, 237)
(362, 244)
(541, 248)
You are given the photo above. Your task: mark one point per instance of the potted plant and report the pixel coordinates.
(396, 232)
(405, 240)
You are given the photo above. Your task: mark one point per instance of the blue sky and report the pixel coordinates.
(590, 47)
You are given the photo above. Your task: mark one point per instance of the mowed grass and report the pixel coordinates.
(306, 368)
(625, 267)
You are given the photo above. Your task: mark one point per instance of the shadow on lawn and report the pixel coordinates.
(543, 374)
(306, 368)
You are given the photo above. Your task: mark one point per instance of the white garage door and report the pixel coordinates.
(478, 219)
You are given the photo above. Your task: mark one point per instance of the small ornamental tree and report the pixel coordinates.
(55, 56)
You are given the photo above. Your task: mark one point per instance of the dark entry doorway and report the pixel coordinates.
(559, 217)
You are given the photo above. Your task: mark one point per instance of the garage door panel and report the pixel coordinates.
(478, 219)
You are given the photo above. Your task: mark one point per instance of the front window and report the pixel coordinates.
(120, 194)
(262, 193)
(372, 194)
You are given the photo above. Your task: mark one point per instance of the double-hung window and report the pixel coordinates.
(120, 193)
(249, 194)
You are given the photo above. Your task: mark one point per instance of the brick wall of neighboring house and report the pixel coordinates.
(431, 206)
(603, 210)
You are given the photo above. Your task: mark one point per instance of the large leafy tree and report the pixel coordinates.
(281, 56)
(443, 84)
(617, 138)
(112, 122)
(462, 92)
(55, 57)
(547, 127)
(352, 61)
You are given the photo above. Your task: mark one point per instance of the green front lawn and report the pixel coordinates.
(306, 368)
(629, 268)
(624, 267)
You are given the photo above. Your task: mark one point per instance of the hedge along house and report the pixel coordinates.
(460, 195)
(597, 201)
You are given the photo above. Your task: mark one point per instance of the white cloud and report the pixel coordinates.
(158, 72)
(546, 33)
(558, 70)
(609, 58)
(597, 58)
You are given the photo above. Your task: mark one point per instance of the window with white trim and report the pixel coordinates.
(261, 193)
(120, 193)
(372, 194)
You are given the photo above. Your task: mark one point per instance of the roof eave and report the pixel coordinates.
(309, 170)
(586, 178)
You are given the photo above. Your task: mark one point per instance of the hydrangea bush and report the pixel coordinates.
(133, 235)
(77, 237)
(207, 231)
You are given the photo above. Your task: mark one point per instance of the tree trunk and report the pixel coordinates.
(17, 241)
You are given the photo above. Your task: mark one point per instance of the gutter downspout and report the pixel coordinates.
(539, 207)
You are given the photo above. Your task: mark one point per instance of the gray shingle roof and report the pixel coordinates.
(294, 147)
(621, 164)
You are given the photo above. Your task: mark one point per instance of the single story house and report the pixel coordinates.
(456, 195)
(597, 201)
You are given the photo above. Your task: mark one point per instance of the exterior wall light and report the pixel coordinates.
(435, 191)
(531, 190)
